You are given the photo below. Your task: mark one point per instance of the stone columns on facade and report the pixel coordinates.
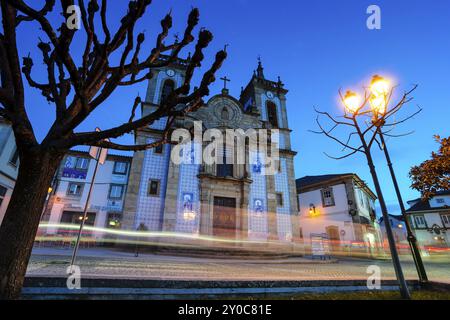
(171, 200)
(131, 198)
(205, 208)
(272, 220)
(295, 220)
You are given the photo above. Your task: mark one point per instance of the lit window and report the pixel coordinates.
(120, 167)
(327, 197)
(113, 221)
(116, 191)
(74, 189)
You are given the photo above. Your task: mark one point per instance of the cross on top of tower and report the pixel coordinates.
(225, 80)
(260, 69)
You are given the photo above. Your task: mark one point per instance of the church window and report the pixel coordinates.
(327, 197)
(159, 149)
(224, 169)
(153, 187)
(279, 199)
(272, 114)
(167, 89)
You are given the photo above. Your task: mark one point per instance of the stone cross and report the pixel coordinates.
(225, 80)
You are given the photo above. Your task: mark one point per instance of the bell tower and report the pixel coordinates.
(162, 82)
(145, 198)
(266, 99)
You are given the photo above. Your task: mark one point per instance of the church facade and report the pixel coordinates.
(224, 200)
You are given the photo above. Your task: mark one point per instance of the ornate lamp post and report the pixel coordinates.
(353, 106)
(356, 109)
(380, 91)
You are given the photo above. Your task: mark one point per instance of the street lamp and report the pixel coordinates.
(352, 101)
(378, 101)
(393, 249)
(378, 96)
(379, 88)
(312, 210)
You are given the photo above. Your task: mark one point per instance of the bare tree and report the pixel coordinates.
(75, 91)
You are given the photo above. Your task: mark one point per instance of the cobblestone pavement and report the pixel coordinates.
(109, 264)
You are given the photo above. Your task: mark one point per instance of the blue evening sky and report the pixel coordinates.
(316, 47)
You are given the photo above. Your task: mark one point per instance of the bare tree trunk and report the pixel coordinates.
(22, 217)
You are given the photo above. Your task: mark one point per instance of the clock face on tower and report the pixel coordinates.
(269, 94)
(170, 72)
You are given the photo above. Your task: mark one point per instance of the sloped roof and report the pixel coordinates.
(424, 205)
(398, 217)
(308, 182)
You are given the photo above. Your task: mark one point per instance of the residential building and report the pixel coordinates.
(341, 207)
(66, 202)
(398, 227)
(430, 219)
(9, 165)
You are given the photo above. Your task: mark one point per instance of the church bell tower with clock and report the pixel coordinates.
(267, 99)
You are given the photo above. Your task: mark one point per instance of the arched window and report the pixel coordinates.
(168, 87)
(272, 116)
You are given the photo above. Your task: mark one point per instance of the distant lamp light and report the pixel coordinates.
(352, 101)
(312, 210)
(400, 226)
(50, 189)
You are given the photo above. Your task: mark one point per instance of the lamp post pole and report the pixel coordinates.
(86, 207)
(411, 238)
(394, 254)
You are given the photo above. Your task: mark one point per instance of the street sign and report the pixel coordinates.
(98, 153)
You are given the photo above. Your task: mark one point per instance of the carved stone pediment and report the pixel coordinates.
(223, 111)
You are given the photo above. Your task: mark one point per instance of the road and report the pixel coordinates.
(106, 263)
